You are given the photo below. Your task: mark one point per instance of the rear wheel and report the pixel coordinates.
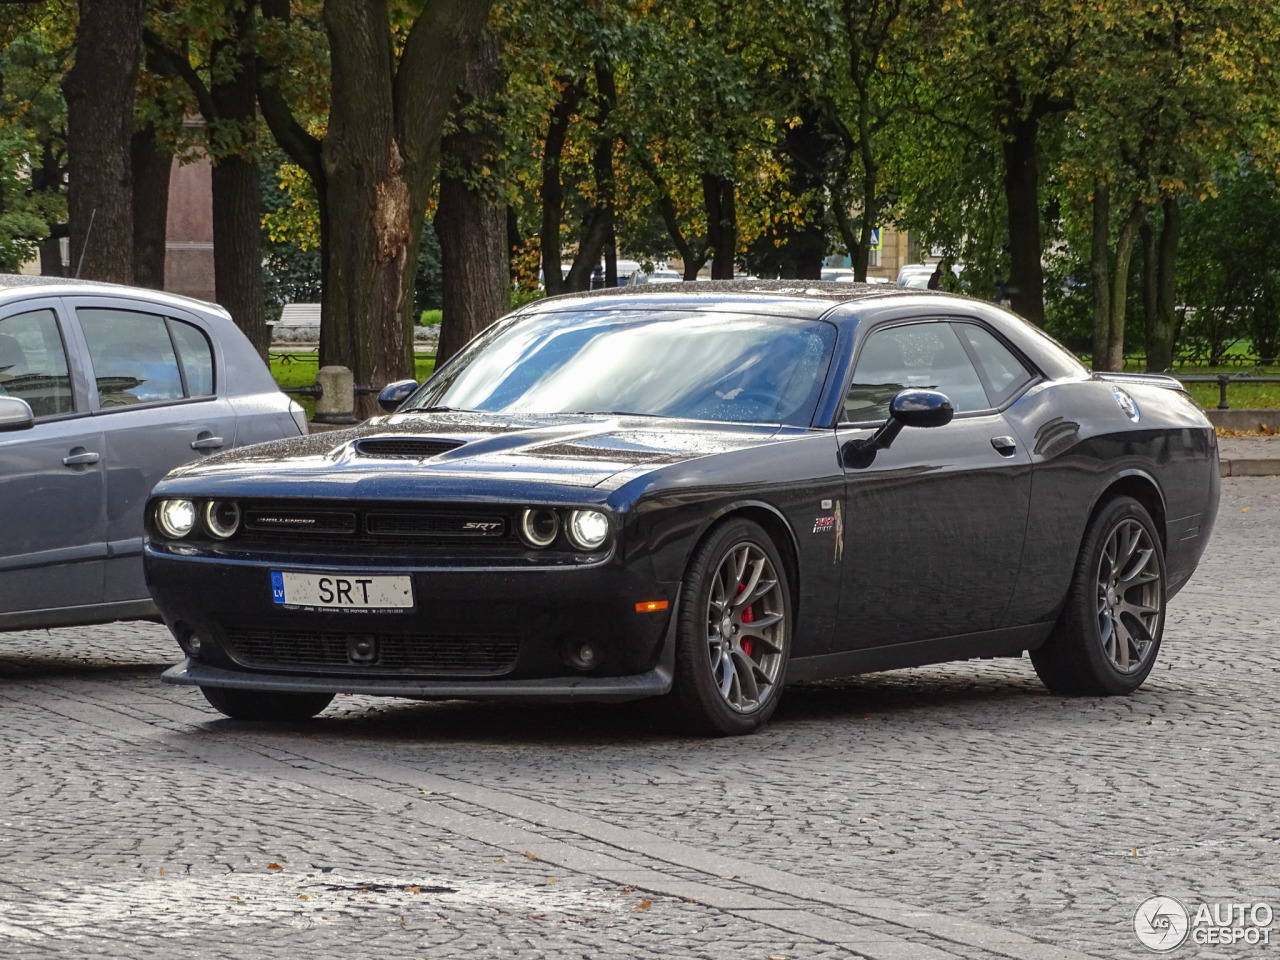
(1109, 632)
(734, 632)
(265, 704)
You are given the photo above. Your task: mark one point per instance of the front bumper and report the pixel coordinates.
(653, 683)
(498, 633)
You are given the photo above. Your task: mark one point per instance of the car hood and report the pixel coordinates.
(457, 449)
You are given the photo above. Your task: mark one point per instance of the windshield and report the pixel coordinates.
(702, 366)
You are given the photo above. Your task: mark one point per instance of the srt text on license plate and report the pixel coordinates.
(334, 591)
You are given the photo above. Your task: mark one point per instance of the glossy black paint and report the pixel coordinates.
(952, 541)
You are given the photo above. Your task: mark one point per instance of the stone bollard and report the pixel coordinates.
(337, 400)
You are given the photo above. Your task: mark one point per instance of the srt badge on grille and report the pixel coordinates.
(478, 525)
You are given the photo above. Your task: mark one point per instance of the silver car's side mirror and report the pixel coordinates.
(15, 414)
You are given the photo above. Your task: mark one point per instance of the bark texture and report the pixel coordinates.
(151, 166)
(373, 170)
(1022, 196)
(471, 227)
(99, 91)
(237, 202)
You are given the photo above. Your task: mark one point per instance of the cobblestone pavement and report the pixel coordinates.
(951, 811)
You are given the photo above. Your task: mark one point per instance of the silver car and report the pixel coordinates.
(103, 390)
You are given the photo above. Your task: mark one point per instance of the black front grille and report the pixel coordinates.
(404, 448)
(437, 525)
(388, 525)
(399, 652)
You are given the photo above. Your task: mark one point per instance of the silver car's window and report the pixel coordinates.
(33, 363)
(702, 366)
(132, 356)
(197, 358)
(925, 356)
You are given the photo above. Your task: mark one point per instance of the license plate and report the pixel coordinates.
(341, 591)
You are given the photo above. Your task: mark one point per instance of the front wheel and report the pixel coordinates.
(1106, 639)
(734, 632)
(265, 704)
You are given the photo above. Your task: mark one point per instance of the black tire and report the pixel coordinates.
(755, 632)
(265, 704)
(1108, 635)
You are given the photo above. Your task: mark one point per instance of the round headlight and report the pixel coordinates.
(588, 529)
(221, 518)
(175, 518)
(539, 527)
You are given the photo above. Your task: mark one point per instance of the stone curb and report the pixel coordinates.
(1249, 467)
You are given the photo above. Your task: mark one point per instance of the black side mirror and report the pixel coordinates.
(394, 394)
(921, 408)
(15, 414)
(908, 408)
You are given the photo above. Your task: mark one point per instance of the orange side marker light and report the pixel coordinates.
(648, 606)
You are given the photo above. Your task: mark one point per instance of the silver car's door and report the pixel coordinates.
(52, 517)
(154, 387)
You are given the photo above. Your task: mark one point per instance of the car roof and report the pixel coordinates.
(796, 298)
(16, 286)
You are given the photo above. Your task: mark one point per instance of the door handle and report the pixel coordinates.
(206, 443)
(79, 459)
(1005, 446)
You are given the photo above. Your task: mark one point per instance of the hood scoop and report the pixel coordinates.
(404, 448)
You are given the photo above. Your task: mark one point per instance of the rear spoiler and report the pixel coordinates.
(1146, 379)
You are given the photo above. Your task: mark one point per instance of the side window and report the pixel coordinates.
(33, 363)
(196, 357)
(927, 356)
(132, 356)
(1005, 372)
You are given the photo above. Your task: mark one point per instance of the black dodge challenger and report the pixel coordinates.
(701, 492)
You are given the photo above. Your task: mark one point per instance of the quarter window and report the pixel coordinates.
(924, 356)
(143, 358)
(1006, 374)
(33, 363)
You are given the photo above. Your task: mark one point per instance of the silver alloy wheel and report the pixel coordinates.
(746, 627)
(1129, 594)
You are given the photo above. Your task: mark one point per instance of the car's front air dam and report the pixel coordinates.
(468, 626)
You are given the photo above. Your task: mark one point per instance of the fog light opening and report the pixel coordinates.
(583, 656)
(190, 642)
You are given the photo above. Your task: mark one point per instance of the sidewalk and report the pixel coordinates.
(1249, 456)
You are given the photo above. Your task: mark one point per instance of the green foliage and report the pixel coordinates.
(1229, 284)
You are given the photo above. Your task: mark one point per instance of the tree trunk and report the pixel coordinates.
(1022, 197)
(47, 179)
(719, 199)
(553, 187)
(1150, 280)
(1099, 257)
(237, 200)
(471, 227)
(1120, 285)
(100, 90)
(379, 157)
(1165, 335)
(151, 166)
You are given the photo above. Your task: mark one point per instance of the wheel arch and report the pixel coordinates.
(774, 523)
(1142, 487)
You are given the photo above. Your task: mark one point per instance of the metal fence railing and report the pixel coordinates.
(1224, 380)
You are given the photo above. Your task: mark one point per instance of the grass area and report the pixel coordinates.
(299, 370)
(1241, 396)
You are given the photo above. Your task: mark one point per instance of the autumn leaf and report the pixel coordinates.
(274, 866)
(644, 905)
(530, 855)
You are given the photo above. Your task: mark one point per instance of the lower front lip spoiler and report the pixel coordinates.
(653, 683)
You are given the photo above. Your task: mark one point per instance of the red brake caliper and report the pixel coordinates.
(748, 616)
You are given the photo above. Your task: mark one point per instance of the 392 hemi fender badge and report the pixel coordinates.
(824, 524)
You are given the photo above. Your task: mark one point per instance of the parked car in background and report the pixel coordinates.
(103, 390)
(701, 491)
(915, 275)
